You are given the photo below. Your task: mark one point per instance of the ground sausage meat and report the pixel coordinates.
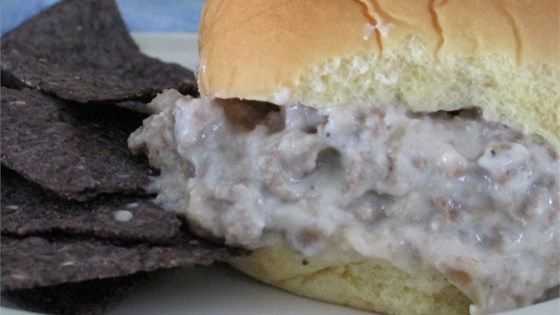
(470, 199)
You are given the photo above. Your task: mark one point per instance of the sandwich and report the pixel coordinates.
(394, 156)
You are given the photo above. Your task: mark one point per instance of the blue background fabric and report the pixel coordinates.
(139, 15)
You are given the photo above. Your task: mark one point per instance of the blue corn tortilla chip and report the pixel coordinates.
(26, 210)
(92, 297)
(80, 50)
(76, 152)
(38, 261)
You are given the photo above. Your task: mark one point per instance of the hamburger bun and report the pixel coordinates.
(500, 56)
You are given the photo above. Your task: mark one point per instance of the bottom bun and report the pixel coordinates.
(368, 285)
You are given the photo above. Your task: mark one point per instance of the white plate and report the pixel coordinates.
(219, 289)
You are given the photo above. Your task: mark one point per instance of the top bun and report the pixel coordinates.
(500, 56)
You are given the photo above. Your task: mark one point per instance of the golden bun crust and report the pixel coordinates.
(502, 56)
(368, 285)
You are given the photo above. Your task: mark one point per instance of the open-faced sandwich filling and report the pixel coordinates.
(446, 192)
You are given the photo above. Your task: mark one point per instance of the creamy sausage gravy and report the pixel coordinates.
(447, 192)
